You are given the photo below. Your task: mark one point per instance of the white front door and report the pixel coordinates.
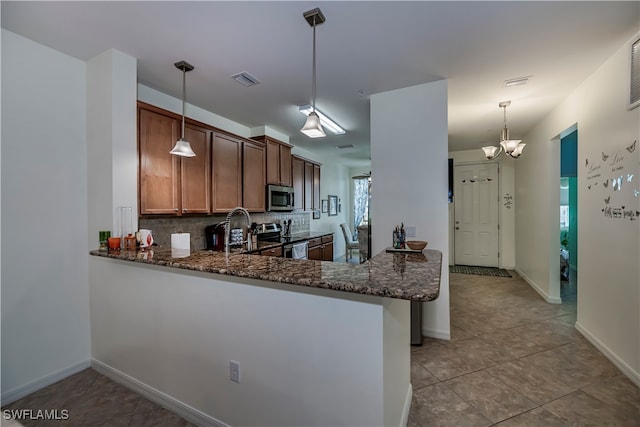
(476, 214)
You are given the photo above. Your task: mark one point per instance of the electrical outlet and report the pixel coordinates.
(234, 371)
(410, 231)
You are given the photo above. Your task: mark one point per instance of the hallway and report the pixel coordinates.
(515, 360)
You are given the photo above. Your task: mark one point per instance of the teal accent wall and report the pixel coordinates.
(569, 169)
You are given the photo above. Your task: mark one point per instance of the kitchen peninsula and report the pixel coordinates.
(318, 343)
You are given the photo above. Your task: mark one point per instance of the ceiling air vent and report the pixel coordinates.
(245, 79)
(342, 147)
(634, 77)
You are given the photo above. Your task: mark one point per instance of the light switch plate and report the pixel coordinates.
(410, 231)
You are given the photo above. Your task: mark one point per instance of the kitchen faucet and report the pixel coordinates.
(227, 228)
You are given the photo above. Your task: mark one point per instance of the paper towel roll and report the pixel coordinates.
(180, 245)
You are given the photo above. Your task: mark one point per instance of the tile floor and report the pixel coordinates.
(513, 360)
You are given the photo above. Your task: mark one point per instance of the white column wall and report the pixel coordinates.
(608, 289)
(45, 293)
(410, 179)
(111, 140)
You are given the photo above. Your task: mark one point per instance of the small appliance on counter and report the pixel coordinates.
(268, 232)
(214, 236)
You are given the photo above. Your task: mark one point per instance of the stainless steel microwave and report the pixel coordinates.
(280, 198)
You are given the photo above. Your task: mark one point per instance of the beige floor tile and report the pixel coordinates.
(494, 399)
(421, 377)
(617, 392)
(579, 408)
(534, 418)
(438, 405)
(535, 383)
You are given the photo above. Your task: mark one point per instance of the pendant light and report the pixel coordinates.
(512, 147)
(182, 147)
(312, 127)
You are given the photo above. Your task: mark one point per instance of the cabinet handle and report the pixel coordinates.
(176, 210)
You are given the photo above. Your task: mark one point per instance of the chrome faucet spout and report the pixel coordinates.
(227, 228)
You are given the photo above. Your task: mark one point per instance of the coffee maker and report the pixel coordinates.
(214, 235)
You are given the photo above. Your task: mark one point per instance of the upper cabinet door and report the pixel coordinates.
(253, 176)
(226, 160)
(273, 162)
(316, 187)
(308, 186)
(195, 173)
(285, 165)
(159, 171)
(297, 174)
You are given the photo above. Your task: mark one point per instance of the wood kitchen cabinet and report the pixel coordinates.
(277, 251)
(278, 161)
(238, 174)
(297, 174)
(321, 248)
(226, 172)
(171, 184)
(253, 176)
(306, 183)
(194, 172)
(159, 180)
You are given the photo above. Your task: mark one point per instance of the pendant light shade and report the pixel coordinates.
(512, 147)
(182, 147)
(312, 127)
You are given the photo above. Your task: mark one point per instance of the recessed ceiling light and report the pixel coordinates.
(245, 79)
(519, 81)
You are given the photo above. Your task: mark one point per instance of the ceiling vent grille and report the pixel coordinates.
(342, 147)
(245, 79)
(634, 77)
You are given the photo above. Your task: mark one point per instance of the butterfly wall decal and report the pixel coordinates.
(586, 162)
(616, 183)
(632, 147)
(607, 200)
(629, 177)
(604, 157)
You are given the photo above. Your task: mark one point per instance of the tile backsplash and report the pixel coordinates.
(162, 227)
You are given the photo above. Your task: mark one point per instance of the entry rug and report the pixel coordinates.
(482, 271)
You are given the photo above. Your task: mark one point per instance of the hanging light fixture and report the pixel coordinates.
(513, 147)
(312, 127)
(182, 147)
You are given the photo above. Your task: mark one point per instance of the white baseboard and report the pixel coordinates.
(436, 333)
(35, 385)
(606, 351)
(548, 298)
(407, 407)
(177, 407)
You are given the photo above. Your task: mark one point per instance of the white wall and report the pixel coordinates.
(307, 356)
(45, 293)
(608, 289)
(410, 179)
(507, 215)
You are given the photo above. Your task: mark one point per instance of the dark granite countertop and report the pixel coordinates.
(410, 276)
